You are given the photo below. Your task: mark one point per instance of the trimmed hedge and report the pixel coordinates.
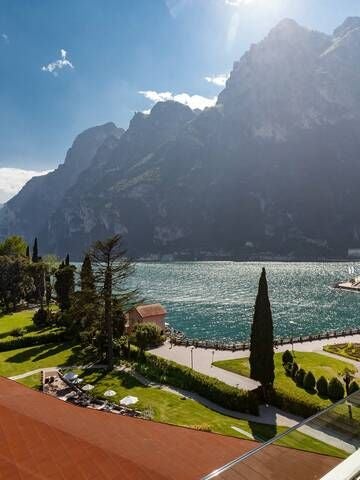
(293, 405)
(322, 386)
(309, 382)
(32, 340)
(354, 387)
(171, 373)
(299, 377)
(336, 390)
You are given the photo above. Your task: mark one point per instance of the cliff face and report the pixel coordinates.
(272, 168)
(28, 212)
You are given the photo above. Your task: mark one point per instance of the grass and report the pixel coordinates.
(33, 381)
(167, 407)
(22, 360)
(23, 320)
(319, 364)
(348, 350)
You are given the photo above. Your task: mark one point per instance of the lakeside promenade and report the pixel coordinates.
(201, 359)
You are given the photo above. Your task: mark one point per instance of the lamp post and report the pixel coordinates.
(292, 338)
(212, 359)
(192, 357)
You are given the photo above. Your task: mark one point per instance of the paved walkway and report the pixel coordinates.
(202, 358)
(267, 415)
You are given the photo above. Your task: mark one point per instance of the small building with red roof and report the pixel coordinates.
(154, 313)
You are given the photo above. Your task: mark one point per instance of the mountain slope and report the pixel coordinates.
(272, 169)
(28, 212)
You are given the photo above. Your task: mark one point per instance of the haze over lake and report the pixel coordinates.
(215, 300)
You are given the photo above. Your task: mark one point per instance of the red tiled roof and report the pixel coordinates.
(150, 310)
(42, 437)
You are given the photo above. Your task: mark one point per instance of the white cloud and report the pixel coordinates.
(219, 80)
(5, 37)
(58, 64)
(192, 101)
(237, 3)
(13, 179)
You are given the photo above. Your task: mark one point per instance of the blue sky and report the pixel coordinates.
(71, 64)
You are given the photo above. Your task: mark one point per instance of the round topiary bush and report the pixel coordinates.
(40, 318)
(353, 387)
(336, 389)
(287, 357)
(322, 386)
(294, 370)
(299, 378)
(309, 382)
(288, 368)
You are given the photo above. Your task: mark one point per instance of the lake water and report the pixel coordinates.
(215, 300)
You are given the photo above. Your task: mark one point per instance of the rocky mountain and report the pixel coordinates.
(28, 212)
(272, 170)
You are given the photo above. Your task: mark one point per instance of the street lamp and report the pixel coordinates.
(292, 338)
(192, 357)
(212, 361)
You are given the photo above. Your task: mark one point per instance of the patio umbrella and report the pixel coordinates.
(88, 387)
(129, 400)
(109, 393)
(70, 376)
(77, 380)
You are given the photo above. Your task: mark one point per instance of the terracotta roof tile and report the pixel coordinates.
(150, 310)
(44, 438)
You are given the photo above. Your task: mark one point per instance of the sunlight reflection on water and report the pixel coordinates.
(214, 300)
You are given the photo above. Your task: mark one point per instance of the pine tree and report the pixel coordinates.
(262, 366)
(112, 269)
(35, 253)
(87, 280)
(67, 260)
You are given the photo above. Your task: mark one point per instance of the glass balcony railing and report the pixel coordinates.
(322, 442)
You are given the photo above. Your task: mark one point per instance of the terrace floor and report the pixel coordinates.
(44, 438)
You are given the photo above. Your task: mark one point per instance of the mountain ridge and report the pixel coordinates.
(270, 170)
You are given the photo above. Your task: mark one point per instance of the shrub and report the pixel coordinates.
(293, 405)
(294, 370)
(353, 387)
(146, 335)
(336, 390)
(17, 332)
(165, 371)
(322, 386)
(40, 318)
(287, 357)
(31, 340)
(299, 378)
(309, 382)
(288, 368)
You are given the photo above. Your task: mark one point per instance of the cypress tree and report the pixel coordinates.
(262, 366)
(87, 279)
(35, 253)
(65, 286)
(67, 260)
(28, 252)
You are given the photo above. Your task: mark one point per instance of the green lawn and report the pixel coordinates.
(33, 381)
(348, 350)
(169, 408)
(22, 320)
(14, 362)
(319, 364)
